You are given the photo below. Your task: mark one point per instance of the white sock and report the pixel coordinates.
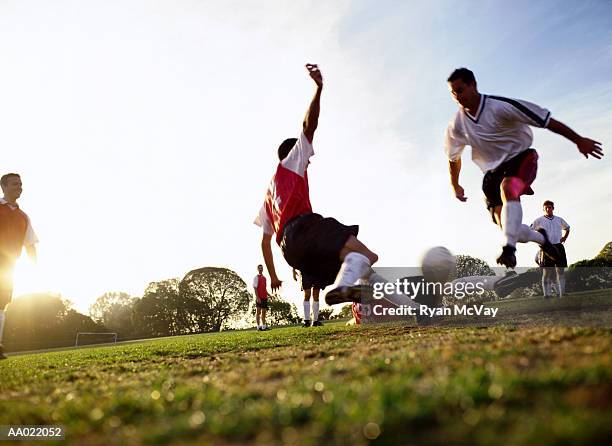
(561, 282)
(395, 298)
(315, 310)
(511, 217)
(526, 234)
(547, 287)
(306, 310)
(1, 324)
(354, 267)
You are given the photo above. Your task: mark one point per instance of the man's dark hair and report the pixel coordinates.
(285, 148)
(5, 179)
(548, 203)
(462, 73)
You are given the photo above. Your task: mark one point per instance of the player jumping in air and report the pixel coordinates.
(497, 129)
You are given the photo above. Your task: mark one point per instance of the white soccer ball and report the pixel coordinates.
(438, 264)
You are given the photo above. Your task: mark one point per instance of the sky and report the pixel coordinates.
(146, 131)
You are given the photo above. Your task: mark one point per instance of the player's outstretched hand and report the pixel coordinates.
(589, 147)
(275, 284)
(459, 193)
(315, 73)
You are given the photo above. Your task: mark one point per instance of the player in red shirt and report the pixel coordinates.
(15, 233)
(261, 299)
(322, 248)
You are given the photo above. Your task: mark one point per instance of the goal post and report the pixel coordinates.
(81, 334)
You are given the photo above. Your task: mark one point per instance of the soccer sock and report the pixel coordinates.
(395, 298)
(511, 217)
(354, 267)
(315, 310)
(526, 234)
(306, 310)
(1, 324)
(561, 284)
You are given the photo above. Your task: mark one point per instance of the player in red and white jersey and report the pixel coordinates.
(498, 130)
(319, 247)
(15, 233)
(260, 289)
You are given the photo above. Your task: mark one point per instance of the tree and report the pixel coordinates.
(214, 298)
(346, 312)
(326, 314)
(161, 311)
(591, 274)
(114, 310)
(43, 320)
(471, 266)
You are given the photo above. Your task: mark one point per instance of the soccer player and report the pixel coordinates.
(319, 247)
(261, 299)
(558, 230)
(15, 233)
(497, 129)
(310, 288)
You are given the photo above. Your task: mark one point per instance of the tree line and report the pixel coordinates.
(210, 299)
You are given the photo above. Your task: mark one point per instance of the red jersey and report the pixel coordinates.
(13, 227)
(288, 195)
(259, 283)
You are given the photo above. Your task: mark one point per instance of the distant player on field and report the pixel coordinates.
(15, 233)
(558, 230)
(497, 129)
(261, 298)
(310, 287)
(319, 247)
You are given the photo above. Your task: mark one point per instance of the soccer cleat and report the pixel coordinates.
(548, 248)
(317, 323)
(512, 281)
(2, 355)
(306, 323)
(343, 294)
(507, 257)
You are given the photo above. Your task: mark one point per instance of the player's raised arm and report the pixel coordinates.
(266, 249)
(586, 146)
(311, 121)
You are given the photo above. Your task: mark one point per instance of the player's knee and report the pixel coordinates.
(512, 188)
(373, 257)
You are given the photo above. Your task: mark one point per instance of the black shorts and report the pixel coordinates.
(262, 303)
(546, 261)
(524, 166)
(312, 244)
(6, 282)
(309, 282)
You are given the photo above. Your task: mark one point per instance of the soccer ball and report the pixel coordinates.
(438, 264)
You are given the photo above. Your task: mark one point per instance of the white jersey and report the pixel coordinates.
(499, 130)
(553, 227)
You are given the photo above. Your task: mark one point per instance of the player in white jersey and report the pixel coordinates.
(558, 230)
(497, 129)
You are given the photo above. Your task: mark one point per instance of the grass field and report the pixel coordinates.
(514, 383)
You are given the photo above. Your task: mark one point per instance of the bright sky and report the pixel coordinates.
(146, 131)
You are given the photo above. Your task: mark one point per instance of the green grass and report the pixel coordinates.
(386, 384)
